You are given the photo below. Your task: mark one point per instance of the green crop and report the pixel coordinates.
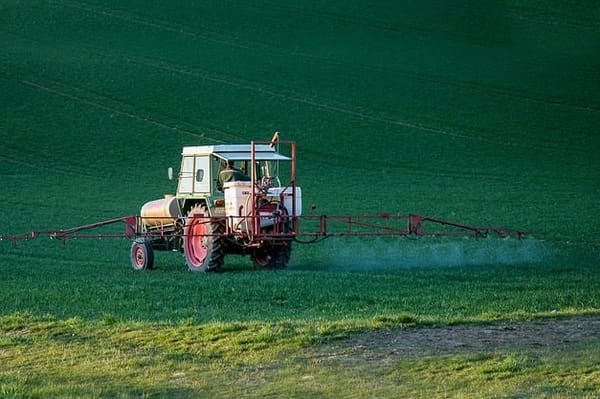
(486, 115)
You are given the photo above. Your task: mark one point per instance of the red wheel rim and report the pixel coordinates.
(139, 256)
(196, 247)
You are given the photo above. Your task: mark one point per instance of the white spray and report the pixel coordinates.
(381, 253)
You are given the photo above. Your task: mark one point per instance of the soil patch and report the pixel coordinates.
(548, 334)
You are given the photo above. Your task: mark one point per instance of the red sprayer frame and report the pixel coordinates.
(318, 227)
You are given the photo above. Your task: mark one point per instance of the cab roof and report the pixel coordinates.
(236, 152)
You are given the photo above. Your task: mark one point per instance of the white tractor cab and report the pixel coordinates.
(253, 211)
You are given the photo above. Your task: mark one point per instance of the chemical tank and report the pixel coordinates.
(161, 212)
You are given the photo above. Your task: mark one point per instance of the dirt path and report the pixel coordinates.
(422, 341)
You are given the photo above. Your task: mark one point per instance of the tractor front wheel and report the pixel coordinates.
(142, 254)
(277, 254)
(202, 241)
(273, 256)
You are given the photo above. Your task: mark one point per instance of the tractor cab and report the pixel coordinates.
(206, 171)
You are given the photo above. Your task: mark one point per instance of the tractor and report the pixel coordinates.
(230, 199)
(242, 199)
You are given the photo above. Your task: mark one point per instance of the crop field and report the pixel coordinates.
(481, 114)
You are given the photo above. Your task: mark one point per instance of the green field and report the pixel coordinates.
(483, 114)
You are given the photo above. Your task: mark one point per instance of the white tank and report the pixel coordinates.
(237, 198)
(237, 203)
(274, 194)
(161, 212)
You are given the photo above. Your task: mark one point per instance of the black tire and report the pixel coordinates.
(276, 255)
(283, 256)
(202, 241)
(142, 254)
(273, 256)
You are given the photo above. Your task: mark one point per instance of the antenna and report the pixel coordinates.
(274, 139)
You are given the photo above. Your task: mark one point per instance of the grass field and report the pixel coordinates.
(482, 114)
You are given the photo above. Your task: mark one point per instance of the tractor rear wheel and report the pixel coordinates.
(202, 241)
(142, 254)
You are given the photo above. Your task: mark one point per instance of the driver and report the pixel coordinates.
(231, 173)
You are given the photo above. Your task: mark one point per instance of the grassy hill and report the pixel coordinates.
(489, 114)
(484, 114)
